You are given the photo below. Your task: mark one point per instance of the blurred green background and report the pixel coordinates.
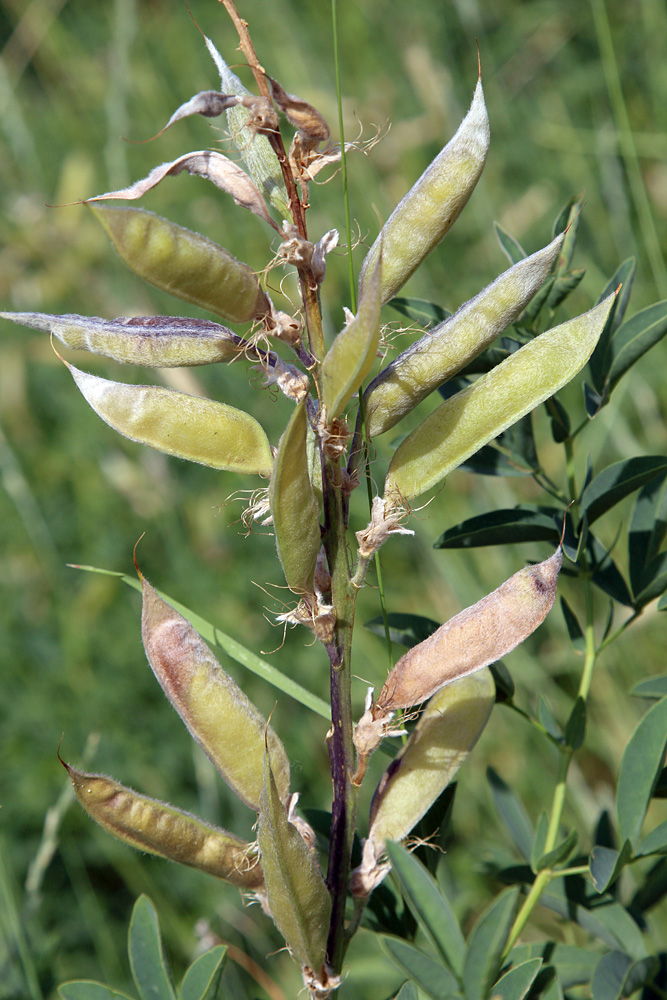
(577, 97)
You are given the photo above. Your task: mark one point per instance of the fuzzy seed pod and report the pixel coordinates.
(432, 206)
(467, 421)
(217, 713)
(170, 833)
(443, 351)
(151, 341)
(181, 262)
(473, 639)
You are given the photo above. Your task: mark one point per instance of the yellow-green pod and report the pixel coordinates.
(151, 341)
(464, 423)
(219, 716)
(431, 207)
(298, 898)
(475, 638)
(190, 427)
(171, 833)
(443, 351)
(353, 352)
(181, 262)
(440, 743)
(294, 507)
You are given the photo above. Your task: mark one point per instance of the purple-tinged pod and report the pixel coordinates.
(467, 421)
(451, 345)
(298, 898)
(474, 638)
(432, 206)
(176, 423)
(151, 341)
(181, 262)
(440, 743)
(218, 715)
(171, 833)
(294, 507)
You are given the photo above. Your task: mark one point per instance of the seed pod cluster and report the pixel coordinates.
(443, 351)
(170, 833)
(219, 716)
(183, 263)
(432, 206)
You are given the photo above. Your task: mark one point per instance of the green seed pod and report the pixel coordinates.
(432, 206)
(473, 639)
(353, 352)
(183, 263)
(294, 508)
(443, 351)
(217, 713)
(463, 424)
(440, 743)
(152, 341)
(199, 430)
(170, 833)
(298, 898)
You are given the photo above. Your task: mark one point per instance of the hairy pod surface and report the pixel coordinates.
(294, 507)
(151, 341)
(181, 262)
(443, 351)
(190, 427)
(464, 423)
(219, 716)
(478, 636)
(440, 743)
(353, 352)
(298, 898)
(432, 206)
(170, 833)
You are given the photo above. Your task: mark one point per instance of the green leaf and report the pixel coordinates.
(640, 767)
(431, 976)
(491, 461)
(652, 687)
(420, 311)
(653, 890)
(618, 481)
(560, 420)
(512, 813)
(86, 989)
(575, 730)
(606, 574)
(573, 965)
(602, 356)
(606, 864)
(654, 842)
(564, 285)
(509, 245)
(515, 984)
(429, 905)
(560, 853)
(574, 629)
(648, 529)
(235, 649)
(633, 339)
(607, 920)
(617, 976)
(503, 680)
(147, 959)
(202, 979)
(540, 840)
(569, 218)
(487, 940)
(408, 991)
(460, 426)
(404, 629)
(548, 720)
(501, 527)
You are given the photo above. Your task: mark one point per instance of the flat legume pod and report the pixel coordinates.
(183, 263)
(298, 898)
(432, 206)
(220, 717)
(440, 743)
(151, 341)
(170, 833)
(475, 638)
(464, 423)
(294, 508)
(443, 351)
(199, 430)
